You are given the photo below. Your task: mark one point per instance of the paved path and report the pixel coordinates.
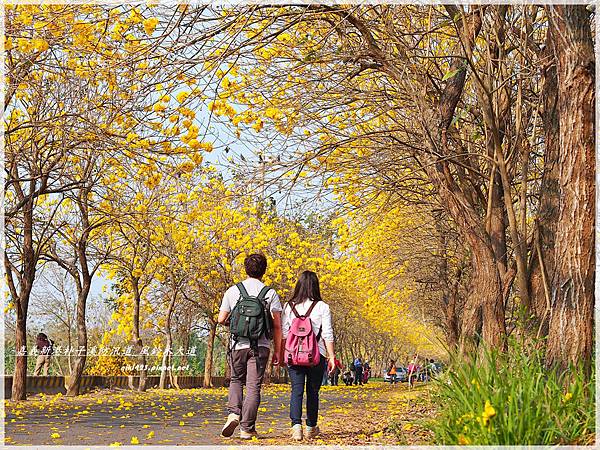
(349, 415)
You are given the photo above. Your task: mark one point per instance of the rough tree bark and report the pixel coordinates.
(497, 219)
(449, 284)
(21, 298)
(169, 345)
(208, 360)
(542, 253)
(82, 276)
(82, 294)
(570, 337)
(485, 304)
(484, 308)
(143, 373)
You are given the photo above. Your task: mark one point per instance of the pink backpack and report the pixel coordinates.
(302, 345)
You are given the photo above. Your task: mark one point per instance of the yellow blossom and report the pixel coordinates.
(488, 412)
(463, 440)
(150, 25)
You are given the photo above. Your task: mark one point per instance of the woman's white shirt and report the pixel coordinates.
(319, 317)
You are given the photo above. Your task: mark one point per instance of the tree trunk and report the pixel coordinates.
(448, 287)
(136, 333)
(165, 360)
(208, 360)
(483, 315)
(496, 110)
(185, 343)
(169, 345)
(21, 299)
(570, 338)
(19, 390)
(497, 224)
(485, 305)
(452, 328)
(82, 341)
(227, 371)
(83, 282)
(542, 254)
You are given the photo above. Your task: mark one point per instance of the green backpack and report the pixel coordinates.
(250, 318)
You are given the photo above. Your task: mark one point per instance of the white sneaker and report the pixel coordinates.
(312, 432)
(233, 420)
(297, 432)
(247, 435)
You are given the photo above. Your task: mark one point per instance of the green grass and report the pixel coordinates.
(510, 399)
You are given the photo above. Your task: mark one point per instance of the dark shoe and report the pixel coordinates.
(312, 432)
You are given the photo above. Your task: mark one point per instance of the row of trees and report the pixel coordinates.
(477, 122)
(455, 144)
(104, 176)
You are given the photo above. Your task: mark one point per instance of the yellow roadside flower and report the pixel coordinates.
(488, 412)
(463, 440)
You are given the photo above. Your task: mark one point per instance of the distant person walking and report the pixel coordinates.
(431, 369)
(392, 372)
(45, 348)
(325, 378)
(347, 377)
(308, 351)
(413, 370)
(358, 371)
(253, 312)
(334, 375)
(366, 372)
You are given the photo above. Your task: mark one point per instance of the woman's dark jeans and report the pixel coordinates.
(312, 376)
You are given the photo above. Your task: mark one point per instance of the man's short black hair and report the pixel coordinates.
(255, 265)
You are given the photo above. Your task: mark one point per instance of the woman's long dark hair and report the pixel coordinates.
(306, 287)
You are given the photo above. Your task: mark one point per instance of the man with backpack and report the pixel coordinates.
(253, 312)
(45, 348)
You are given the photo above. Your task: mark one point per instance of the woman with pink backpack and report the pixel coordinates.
(307, 350)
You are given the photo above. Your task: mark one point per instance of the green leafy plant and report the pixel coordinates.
(512, 398)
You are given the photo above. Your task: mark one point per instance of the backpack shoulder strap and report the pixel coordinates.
(242, 289)
(310, 309)
(293, 308)
(262, 295)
